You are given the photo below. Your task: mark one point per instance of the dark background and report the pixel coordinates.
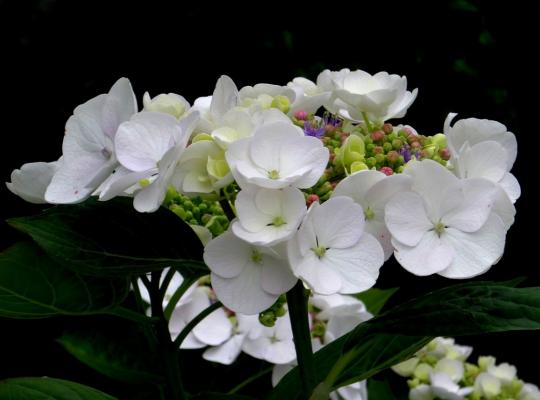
(472, 57)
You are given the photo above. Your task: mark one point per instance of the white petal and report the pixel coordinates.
(31, 181)
(316, 274)
(226, 353)
(430, 179)
(474, 253)
(243, 293)
(253, 213)
(120, 181)
(277, 278)
(281, 352)
(504, 208)
(476, 205)
(357, 185)
(338, 223)
(406, 218)
(225, 96)
(358, 265)
(511, 186)
(429, 256)
(382, 191)
(72, 183)
(380, 232)
(227, 256)
(119, 105)
(143, 141)
(484, 160)
(214, 329)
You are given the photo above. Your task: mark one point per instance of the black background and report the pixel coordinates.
(472, 57)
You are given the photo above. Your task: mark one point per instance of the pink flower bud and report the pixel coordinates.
(445, 154)
(388, 128)
(377, 136)
(311, 199)
(301, 115)
(387, 171)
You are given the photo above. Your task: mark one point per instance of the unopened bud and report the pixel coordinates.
(301, 115)
(312, 198)
(377, 136)
(388, 128)
(387, 171)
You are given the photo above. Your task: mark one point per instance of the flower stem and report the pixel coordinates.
(298, 313)
(250, 379)
(169, 352)
(195, 321)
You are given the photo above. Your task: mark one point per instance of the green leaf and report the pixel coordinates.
(112, 357)
(34, 286)
(112, 239)
(48, 389)
(220, 396)
(380, 390)
(375, 298)
(467, 309)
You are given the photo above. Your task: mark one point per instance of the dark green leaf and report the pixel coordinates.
(111, 238)
(114, 358)
(466, 309)
(381, 390)
(375, 299)
(34, 286)
(220, 396)
(48, 389)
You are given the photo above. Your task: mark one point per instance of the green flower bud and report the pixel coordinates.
(413, 383)
(282, 103)
(406, 368)
(391, 137)
(201, 136)
(353, 149)
(380, 159)
(318, 329)
(267, 318)
(387, 147)
(358, 166)
(371, 161)
(217, 168)
(397, 144)
(439, 141)
(178, 210)
(422, 372)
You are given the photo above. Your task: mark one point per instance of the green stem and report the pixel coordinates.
(367, 122)
(298, 313)
(171, 305)
(166, 281)
(193, 323)
(148, 332)
(338, 368)
(250, 379)
(169, 352)
(226, 206)
(130, 315)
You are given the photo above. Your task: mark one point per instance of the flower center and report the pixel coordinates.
(439, 228)
(274, 174)
(319, 251)
(278, 221)
(256, 256)
(369, 214)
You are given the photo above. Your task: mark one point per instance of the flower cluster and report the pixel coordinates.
(440, 371)
(225, 333)
(278, 193)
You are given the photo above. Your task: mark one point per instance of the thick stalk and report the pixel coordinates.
(298, 312)
(169, 352)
